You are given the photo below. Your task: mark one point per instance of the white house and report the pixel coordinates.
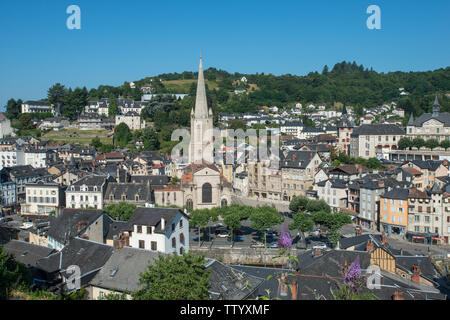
(41, 198)
(37, 107)
(11, 158)
(160, 230)
(36, 158)
(87, 192)
(132, 120)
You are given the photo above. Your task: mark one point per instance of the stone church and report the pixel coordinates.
(203, 186)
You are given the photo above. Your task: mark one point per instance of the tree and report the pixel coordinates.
(12, 275)
(56, 95)
(405, 143)
(25, 122)
(302, 222)
(373, 163)
(13, 108)
(233, 222)
(122, 211)
(445, 144)
(318, 205)
(113, 108)
(96, 143)
(106, 148)
(150, 139)
(265, 218)
(298, 203)
(122, 135)
(432, 143)
(418, 143)
(175, 278)
(199, 219)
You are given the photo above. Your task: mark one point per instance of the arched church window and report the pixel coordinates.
(207, 193)
(189, 204)
(224, 203)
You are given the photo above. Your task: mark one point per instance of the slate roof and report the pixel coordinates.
(128, 189)
(432, 165)
(26, 253)
(271, 284)
(25, 171)
(345, 243)
(377, 129)
(152, 217)
(326, 272)
(122, 270)
(90, 181)
(229, 283)
(90, 256)
(296, 159)
(65, 226)
(115, 228)
(153, 180)
(397, 193)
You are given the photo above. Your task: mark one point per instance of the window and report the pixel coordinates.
(154, 246)
(181, 238)
(174, 243)
(173, 227)
(417, 218)
(207, 193)
(149, 230)
(139, 229)
(181, 224)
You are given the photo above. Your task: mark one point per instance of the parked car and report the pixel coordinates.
(256, 244)
(319, 245)
(273, 245)
(223, 234)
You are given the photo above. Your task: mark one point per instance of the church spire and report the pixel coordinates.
(411, 120)
(436, 107)
(201, 104)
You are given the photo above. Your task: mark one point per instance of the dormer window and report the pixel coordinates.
(124, 197)
(136, 197)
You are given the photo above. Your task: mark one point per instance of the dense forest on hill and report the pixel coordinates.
(345, 84)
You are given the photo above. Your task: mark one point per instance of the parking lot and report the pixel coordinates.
(246, 237)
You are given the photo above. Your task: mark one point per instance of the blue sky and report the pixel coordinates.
(129, 40)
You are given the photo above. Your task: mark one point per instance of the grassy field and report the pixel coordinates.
(78, 136)
(183, 86)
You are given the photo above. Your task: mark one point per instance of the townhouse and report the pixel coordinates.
(88, 192)
(298, 169)
(374, 140)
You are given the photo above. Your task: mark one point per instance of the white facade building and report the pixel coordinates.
(160, 230)
(11, 158)
(86, 193)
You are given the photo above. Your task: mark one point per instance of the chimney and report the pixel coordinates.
(384, 239)
(369, 246)
(398, 295)
(381, 183)
(163, 223)
(416, 274)
(81, 225)
(294, 289)
(317, 252)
